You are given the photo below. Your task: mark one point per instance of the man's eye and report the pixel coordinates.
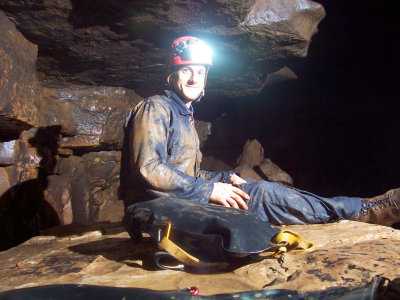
(184, 70)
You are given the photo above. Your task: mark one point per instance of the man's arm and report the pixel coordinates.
(148, 157)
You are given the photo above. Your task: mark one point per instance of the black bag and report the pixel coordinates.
(204, 235)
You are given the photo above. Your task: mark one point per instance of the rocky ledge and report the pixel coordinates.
(347, 254)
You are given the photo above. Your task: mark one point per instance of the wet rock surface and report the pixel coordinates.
(19, 88)
(347, 254)
(90, 118)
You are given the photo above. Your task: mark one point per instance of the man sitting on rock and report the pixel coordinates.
(161, 157)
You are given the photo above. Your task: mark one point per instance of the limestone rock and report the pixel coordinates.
(203, 130)
(124, 43)
(298, 19)
(19, 151)
(103, 254)
(90, 117)
(252, 159)
(26, 163)
(281, 75)
(252, 155)
(84, 188)
(19, 92)
(274, 173)
(247, 172)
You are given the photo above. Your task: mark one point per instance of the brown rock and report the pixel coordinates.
(19, 151)
(85, 188)
(281, 75)
(103, 254)
(89, 116)
(203, 130)
(274, 173)
(299, 18)
(23, 209)
(252, 155)
(113, 47)
(19, 92)
(247, 172)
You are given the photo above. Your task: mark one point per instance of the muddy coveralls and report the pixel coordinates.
(161, 157)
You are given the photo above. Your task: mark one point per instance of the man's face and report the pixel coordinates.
(189, 81)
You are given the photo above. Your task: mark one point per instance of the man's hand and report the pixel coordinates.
(227, 195)
(237, 180)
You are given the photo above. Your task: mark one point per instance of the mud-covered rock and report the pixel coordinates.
(275, 173)
(19, 88)
(251, 163)
(103, 254)
(89, 117)
(252, 154)
(84, 188)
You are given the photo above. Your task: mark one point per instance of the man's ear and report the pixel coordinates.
(172, 74)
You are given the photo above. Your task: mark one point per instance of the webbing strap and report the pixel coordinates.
(180, 254)
(291, 241)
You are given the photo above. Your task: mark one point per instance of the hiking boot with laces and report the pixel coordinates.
(382, 210)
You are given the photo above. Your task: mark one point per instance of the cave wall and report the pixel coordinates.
(71, 72)
(59, 155)
(71, 77)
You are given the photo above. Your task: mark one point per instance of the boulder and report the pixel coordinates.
(248, 172)
(274, 173)
(252, 155)
(103, 254)
(251, 163)
(19, 87)
(90, 117)
(19, 151)
(84, 188)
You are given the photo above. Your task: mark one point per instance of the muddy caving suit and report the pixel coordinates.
(161, 157)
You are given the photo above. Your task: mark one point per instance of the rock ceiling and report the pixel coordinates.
(122, 43)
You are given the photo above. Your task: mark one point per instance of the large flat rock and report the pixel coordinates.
(348, 254)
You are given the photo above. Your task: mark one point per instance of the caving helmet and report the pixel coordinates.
(188, 50)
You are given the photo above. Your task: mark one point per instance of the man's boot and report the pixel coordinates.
(382, 210)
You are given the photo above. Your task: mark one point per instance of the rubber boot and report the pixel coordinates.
(382, 210)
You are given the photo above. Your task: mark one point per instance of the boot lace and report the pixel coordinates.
(367, 206)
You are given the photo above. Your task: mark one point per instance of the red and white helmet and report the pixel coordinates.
(189, 50)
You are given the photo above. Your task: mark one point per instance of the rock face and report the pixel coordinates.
(252, 163)
(103, 254)
(89, 117)
(60, 146)
(124, 42)
(19, 88)
(60, 156)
